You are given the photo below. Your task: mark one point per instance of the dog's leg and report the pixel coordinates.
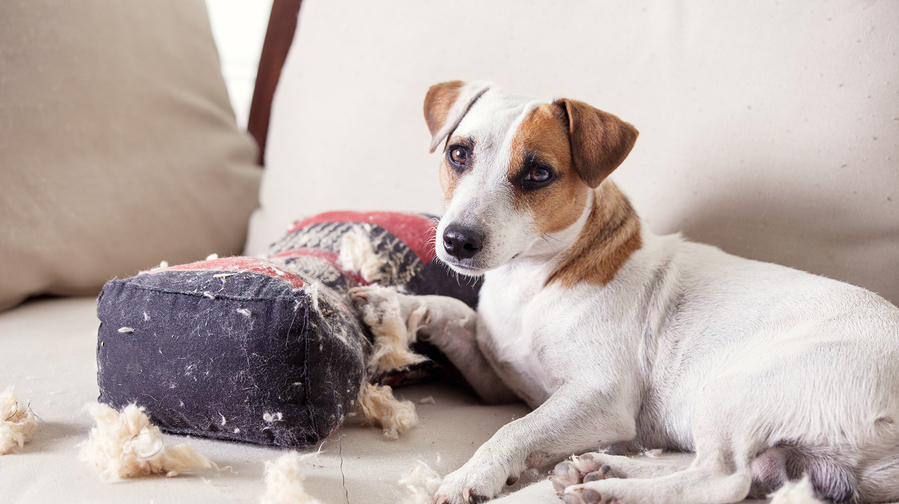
(709, 480)
(574, 419)
(721, 471)
(447, 323)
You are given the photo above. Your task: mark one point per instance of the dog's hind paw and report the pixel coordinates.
(586, 496)
(580, 469)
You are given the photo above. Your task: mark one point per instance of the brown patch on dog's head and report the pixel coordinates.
(599, 141)
(447, 103)
(438, 102)
(542, 144)
(581, 146)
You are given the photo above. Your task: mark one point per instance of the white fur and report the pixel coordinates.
(486, 192)
(687, 348)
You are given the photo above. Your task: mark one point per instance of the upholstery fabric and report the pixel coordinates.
(118, 145)
(768, 128)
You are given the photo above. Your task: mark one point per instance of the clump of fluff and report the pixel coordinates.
(422, 483)
(126, 445)
(16, 422)
(796, 492)
(284, 481)
(357, 253)
(392, 336)
(380, 407)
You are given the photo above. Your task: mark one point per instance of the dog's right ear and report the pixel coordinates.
(447, 103)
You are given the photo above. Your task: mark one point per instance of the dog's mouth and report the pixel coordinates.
(467, 267)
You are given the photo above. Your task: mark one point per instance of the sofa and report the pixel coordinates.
(769, 129)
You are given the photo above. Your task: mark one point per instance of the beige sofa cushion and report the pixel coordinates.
(118, 146)
(767, 128)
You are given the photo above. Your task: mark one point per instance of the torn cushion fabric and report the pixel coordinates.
(330, 246)
(393, 249)
(237, 348)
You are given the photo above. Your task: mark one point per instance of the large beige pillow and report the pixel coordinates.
(118, 145)
(768, 128)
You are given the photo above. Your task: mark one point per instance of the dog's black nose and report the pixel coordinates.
(461, 242)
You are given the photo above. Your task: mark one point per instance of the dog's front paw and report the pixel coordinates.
(468, 487)
(580, 469)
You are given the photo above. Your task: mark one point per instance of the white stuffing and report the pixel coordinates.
(795, 492)
(422, 483)
(284, 481)
(392, 336)
(358, 254)
(16, 422)
(273, 417)
(380, 407)
(126, 330)
(126, 445)
(314, 290)
(212, 257)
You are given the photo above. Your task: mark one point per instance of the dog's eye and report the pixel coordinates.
(539, 174)
(459, 155)
(537, 177)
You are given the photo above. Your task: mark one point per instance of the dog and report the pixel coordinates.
(619, 338)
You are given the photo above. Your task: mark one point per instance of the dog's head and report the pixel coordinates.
(516, 172)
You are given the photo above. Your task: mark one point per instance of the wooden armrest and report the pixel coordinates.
(282, 25)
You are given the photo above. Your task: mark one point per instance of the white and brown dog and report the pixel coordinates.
(616, 336)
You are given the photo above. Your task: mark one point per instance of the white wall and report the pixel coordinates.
(239, 29)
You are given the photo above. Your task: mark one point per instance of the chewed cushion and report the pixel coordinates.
(390, 248)
(266, 350)
(236, 348)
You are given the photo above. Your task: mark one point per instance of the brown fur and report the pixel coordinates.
(584, 145)
(600, 141)
(543, 135)
(438, 102)
(610, 236)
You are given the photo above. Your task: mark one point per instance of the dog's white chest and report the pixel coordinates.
(509, 309)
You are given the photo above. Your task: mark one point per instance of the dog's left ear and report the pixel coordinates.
(599, 141)
(447, 103)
